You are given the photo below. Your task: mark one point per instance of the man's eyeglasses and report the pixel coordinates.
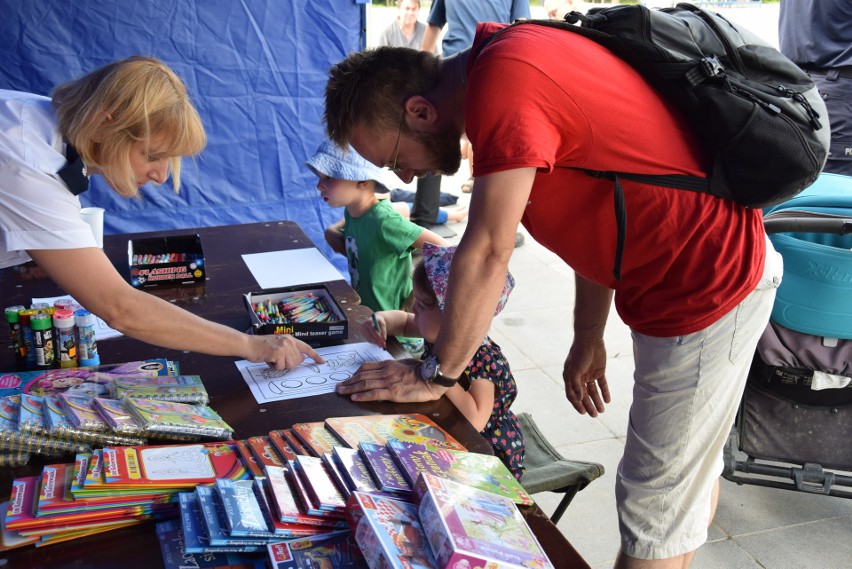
(394, 167)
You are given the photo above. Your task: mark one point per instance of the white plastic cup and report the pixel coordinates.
(94, 216)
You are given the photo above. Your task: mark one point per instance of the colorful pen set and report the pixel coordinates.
(149, 259)
(58, 335)
(294, 309)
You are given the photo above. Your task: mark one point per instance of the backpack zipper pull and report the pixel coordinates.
(799, 98)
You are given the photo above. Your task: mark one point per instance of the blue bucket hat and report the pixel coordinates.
(334, 162)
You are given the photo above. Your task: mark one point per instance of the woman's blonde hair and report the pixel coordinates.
(104, 113)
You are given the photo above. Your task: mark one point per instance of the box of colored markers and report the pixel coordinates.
(175, 260)
(307, 312)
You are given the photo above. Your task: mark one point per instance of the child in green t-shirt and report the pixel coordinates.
(376, 240)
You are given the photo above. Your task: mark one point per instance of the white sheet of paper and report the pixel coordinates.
(309, 378)
(102, 330)
(287, 268)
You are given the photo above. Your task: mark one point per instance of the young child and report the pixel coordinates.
(486, 391)
(376, 240)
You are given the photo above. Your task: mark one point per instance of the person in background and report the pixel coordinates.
(696, 282)
(488, 389)
(130, 122)
(460, 17)
(406, 30)
(377, 241)
(403, 208)
(817, 36)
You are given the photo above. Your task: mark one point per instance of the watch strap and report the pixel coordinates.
(444, 381)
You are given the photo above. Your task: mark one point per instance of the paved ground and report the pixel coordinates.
(755, 527)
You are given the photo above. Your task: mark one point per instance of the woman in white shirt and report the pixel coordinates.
(130, 122)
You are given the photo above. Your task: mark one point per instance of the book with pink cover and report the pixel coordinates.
(91, 381)
(322, 490)
(467, 525)
(285, 504)
(379, 429)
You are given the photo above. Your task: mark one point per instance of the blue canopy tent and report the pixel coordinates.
(255, 69)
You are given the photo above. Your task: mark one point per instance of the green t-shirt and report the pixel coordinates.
(378, 247)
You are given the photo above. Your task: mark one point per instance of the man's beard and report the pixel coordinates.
(444, 149)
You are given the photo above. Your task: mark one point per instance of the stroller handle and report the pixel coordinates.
(788, 221)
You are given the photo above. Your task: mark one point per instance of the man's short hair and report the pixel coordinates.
(370, 87)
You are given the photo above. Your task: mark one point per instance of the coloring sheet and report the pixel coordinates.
(181, 462)
(310, 378)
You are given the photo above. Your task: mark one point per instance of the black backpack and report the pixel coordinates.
(759, 115)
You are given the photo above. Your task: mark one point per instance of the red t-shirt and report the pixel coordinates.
(541, 97)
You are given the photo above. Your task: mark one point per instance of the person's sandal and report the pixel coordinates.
(467, 187)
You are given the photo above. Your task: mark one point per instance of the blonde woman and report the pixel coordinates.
(130, 122)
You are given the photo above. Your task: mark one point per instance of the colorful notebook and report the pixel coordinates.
(171, 466)
(175, 388)
(483, 471)
(379, 429)
(178, 418)
(385, 472)
(315, 438)
(92, 381)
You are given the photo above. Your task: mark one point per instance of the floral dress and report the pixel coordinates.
(503, 431)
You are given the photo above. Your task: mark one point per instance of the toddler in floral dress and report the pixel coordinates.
(487, 388)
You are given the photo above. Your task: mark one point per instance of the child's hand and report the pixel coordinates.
(376, 330)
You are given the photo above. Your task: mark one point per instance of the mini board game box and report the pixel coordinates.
(156, 261)
(468, 526)
(307, 312)
(388, 532)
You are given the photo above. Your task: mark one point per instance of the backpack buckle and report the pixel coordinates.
(706, 68)
(711, 66)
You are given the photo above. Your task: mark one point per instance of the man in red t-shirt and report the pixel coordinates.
(695, 281)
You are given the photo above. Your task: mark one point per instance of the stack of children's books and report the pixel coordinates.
(114, 487)
(69, 410)
(316, 493)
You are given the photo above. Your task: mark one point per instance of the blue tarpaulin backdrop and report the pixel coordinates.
(255, 69)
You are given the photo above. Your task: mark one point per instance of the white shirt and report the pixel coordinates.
(36, 209)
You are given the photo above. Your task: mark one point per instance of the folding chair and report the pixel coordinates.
(549, 471)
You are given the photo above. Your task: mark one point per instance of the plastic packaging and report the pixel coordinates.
(13, 319)
(43, 340)
(66, 340)
(87, 347)
(27, 336)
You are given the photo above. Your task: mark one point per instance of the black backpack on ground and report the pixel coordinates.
(758, 115)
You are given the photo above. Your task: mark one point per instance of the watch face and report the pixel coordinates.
(429, 368)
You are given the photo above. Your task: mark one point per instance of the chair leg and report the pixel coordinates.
(563, 504)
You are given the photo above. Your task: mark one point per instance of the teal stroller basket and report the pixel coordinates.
(813, 233)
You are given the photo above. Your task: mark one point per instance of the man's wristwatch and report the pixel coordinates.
(430, 372)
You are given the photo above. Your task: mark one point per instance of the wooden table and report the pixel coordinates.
(220, 298)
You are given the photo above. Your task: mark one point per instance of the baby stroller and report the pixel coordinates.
(794, 424)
